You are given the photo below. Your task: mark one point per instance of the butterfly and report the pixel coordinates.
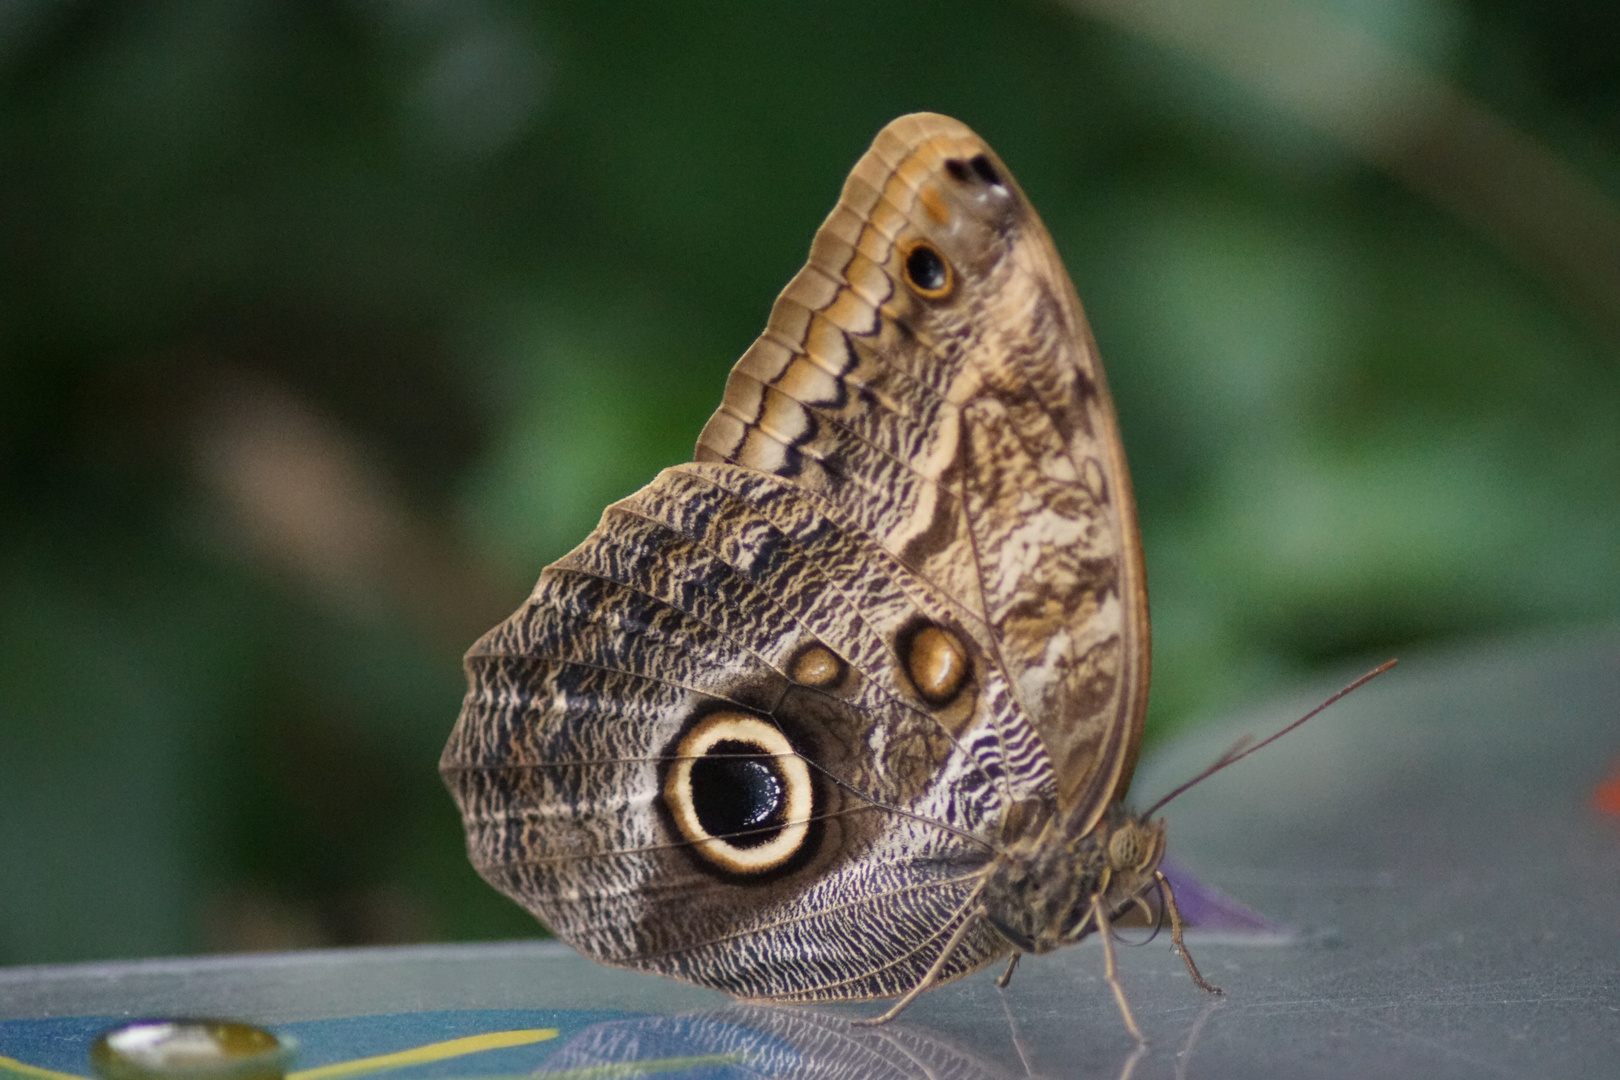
(847, 707)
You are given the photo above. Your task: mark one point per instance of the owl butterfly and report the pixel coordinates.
(846, 707)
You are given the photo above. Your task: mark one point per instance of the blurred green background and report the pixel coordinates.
(323, 326)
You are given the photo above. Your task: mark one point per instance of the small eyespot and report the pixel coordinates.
(927, 272)
(937, 665)
(817, 667)
(976, 168)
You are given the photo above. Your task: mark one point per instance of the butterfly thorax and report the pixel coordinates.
(1041, 891)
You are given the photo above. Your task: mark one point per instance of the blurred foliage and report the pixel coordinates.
(324, 326)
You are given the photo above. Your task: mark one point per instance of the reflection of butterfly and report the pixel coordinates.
(846, 708)
(764, 1042)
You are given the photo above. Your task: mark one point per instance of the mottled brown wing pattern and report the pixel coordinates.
(896, 602)
(970, 435)
(697, 593)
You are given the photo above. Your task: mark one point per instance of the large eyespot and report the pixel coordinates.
(927, 271)
(740, 793)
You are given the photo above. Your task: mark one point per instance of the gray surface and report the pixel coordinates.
(1456, 899)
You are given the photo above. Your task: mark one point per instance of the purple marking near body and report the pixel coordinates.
(1208, 909)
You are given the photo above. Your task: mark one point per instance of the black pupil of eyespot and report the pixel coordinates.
(739, 794)
(987, 172)
(925, 268)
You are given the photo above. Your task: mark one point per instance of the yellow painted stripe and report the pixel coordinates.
(439, 1051)
(12, 1065)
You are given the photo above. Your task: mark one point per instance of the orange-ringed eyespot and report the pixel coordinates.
(927, 271)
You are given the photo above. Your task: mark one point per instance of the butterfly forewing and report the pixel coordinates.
(970, 434)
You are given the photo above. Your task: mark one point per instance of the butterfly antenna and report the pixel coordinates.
(1246, 745)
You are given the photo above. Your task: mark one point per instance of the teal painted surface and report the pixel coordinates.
(587, 1043)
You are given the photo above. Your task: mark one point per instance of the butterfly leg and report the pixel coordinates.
(927, 980)
(1006, 976)
(1175, 936)
(1111, 966)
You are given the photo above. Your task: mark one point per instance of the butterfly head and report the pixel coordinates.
(1133, 851)
(1135, 847)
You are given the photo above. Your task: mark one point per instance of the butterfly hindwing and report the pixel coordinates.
(700, 594)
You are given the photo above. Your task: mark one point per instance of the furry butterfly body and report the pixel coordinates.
(845, 707)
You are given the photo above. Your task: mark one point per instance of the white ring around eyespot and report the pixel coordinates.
(795, 774)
